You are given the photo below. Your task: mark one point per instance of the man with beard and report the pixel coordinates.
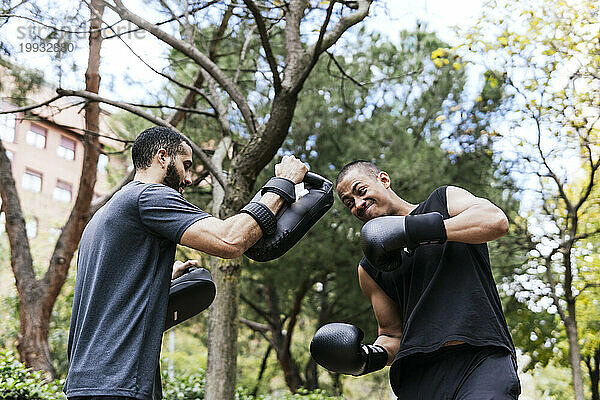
(125, 265)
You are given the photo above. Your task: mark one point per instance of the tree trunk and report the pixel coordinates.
(574, 352)
(311, 374)
(261, 372)
(223, 329)
(593, 365)
(32, 344)
(290, 370)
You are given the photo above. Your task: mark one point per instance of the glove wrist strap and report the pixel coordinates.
(262, 215)
(377, 358)
(282, 187)
(425, 228)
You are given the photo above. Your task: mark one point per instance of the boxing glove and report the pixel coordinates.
(338, 348)
(384, 239)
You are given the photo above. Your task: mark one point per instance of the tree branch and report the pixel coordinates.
(587, 286)
(295, 311)
(342, 26)
(264, 39)
(31, 107)
(95, 206)
(20, 252)
(553, 294)
(255, 326)
(262, 329)
(69, 238)
(256, 309)
(339, 67)
(551, 173)
(201, 59)
(158, 121)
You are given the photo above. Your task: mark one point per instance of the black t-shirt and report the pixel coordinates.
(444, 292)
(124, 268)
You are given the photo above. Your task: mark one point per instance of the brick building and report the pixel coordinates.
(47, 155)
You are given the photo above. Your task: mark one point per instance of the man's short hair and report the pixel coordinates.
(369, 168)
(151, 140)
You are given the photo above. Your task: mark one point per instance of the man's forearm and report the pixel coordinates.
(478, 224)
(391, 344)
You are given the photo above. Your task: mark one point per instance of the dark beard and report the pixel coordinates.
(173, 179)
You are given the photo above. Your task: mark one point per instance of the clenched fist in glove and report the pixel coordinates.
(338, 348)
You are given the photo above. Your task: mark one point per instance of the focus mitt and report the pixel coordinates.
(189, 295)
(295, 219)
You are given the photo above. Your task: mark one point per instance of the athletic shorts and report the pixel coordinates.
(461, 372)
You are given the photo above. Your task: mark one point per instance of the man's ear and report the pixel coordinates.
(161, 157)
(385, 179)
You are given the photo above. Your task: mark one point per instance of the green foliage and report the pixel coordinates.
(17, 382)
(191, 387)
(546, 52)
(25, 81)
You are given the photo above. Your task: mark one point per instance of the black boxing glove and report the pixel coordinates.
(426, 228)
(384, 239)
(338, 348)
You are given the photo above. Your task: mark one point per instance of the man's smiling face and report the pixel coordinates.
(366, 196)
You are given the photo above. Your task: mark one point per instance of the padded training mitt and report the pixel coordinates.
(295, 219)
(190, 294)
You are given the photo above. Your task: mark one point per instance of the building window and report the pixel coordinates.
(32, 181)
(31, 227)
(62, 191)
(8, 123)
(102, 162)
(66, 148)
(36, 136)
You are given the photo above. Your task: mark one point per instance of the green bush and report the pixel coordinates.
(19, 383)
(191, 387)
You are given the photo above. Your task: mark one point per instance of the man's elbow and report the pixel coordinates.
(501, 224)
(233, 247)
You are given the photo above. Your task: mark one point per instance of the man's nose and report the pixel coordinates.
(360, 203)
(188, 179)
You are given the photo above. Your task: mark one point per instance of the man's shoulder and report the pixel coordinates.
(436, 201)
(135, 190)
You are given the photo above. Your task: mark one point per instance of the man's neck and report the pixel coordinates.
(149, 175)
(401, 206)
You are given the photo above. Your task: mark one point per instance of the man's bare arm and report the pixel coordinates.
(473, 219)
(231, 237)
(386, 312)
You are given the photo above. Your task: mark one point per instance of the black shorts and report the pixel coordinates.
(460, 372)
